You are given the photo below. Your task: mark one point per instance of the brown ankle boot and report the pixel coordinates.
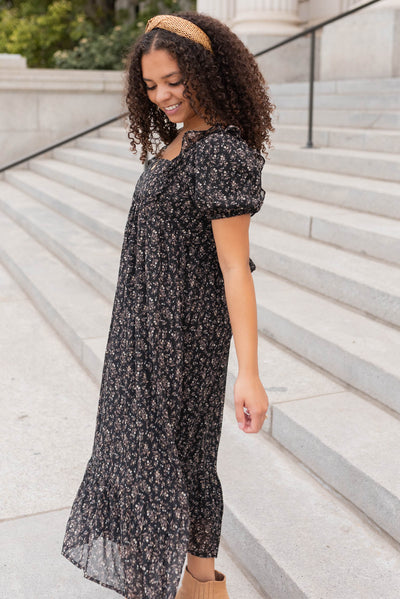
(191, 588)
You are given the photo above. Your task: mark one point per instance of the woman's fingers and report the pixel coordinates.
(251, 403)
(251, 422)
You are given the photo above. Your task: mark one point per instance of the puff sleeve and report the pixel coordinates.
(227, 176)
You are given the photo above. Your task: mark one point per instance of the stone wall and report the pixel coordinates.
(41, 106)
(366, 44)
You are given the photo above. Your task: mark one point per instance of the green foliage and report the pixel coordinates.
(155, 7)
(37, 35)
(99, 51)
(75, 34)
(107, 51)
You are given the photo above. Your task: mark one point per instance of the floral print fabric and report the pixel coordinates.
(150, 491)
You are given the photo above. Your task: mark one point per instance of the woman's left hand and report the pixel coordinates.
(249, 393)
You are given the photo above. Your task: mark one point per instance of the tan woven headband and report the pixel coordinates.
(180, 26)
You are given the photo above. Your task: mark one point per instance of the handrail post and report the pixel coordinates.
(311, 92)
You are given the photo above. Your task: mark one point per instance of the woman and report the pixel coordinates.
(150, 492)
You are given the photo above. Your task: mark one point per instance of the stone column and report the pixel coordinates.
(261, 24)
(224, 10)
(268, 17)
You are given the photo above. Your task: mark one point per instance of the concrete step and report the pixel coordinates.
(324, 433)
(109, 189)
(367, 234)
(300, 540)
(380, 140)
(92, 259)
(359, 351)
(381, 85)
(337, 434)
(47, 421)
(79, 314)
(362, 283)
(371, 165)
(335, 101)
(371, 119)
(113, 147)
(98, 217)
(357, 193)
(122, 168)
(118, 133)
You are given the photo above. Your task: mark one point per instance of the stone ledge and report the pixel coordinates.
(12, 61)
(60, 79)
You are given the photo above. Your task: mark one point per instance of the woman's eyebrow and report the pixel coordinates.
(165, 76)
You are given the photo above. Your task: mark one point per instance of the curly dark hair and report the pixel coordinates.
(227, 83)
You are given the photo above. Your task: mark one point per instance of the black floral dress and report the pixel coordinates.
(151, 491)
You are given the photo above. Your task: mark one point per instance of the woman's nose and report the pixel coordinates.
(162, 95)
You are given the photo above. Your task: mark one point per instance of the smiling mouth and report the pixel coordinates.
(173, 107)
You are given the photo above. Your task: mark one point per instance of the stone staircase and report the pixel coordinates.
(312, 503)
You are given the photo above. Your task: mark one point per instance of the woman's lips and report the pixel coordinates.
(173, 110)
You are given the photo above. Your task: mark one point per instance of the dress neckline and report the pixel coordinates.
(193, 135)
(187, 134)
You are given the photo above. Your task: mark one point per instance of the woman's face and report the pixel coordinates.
(163, 80)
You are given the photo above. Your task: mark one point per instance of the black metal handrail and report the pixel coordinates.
(309, 30)
(64, 141)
